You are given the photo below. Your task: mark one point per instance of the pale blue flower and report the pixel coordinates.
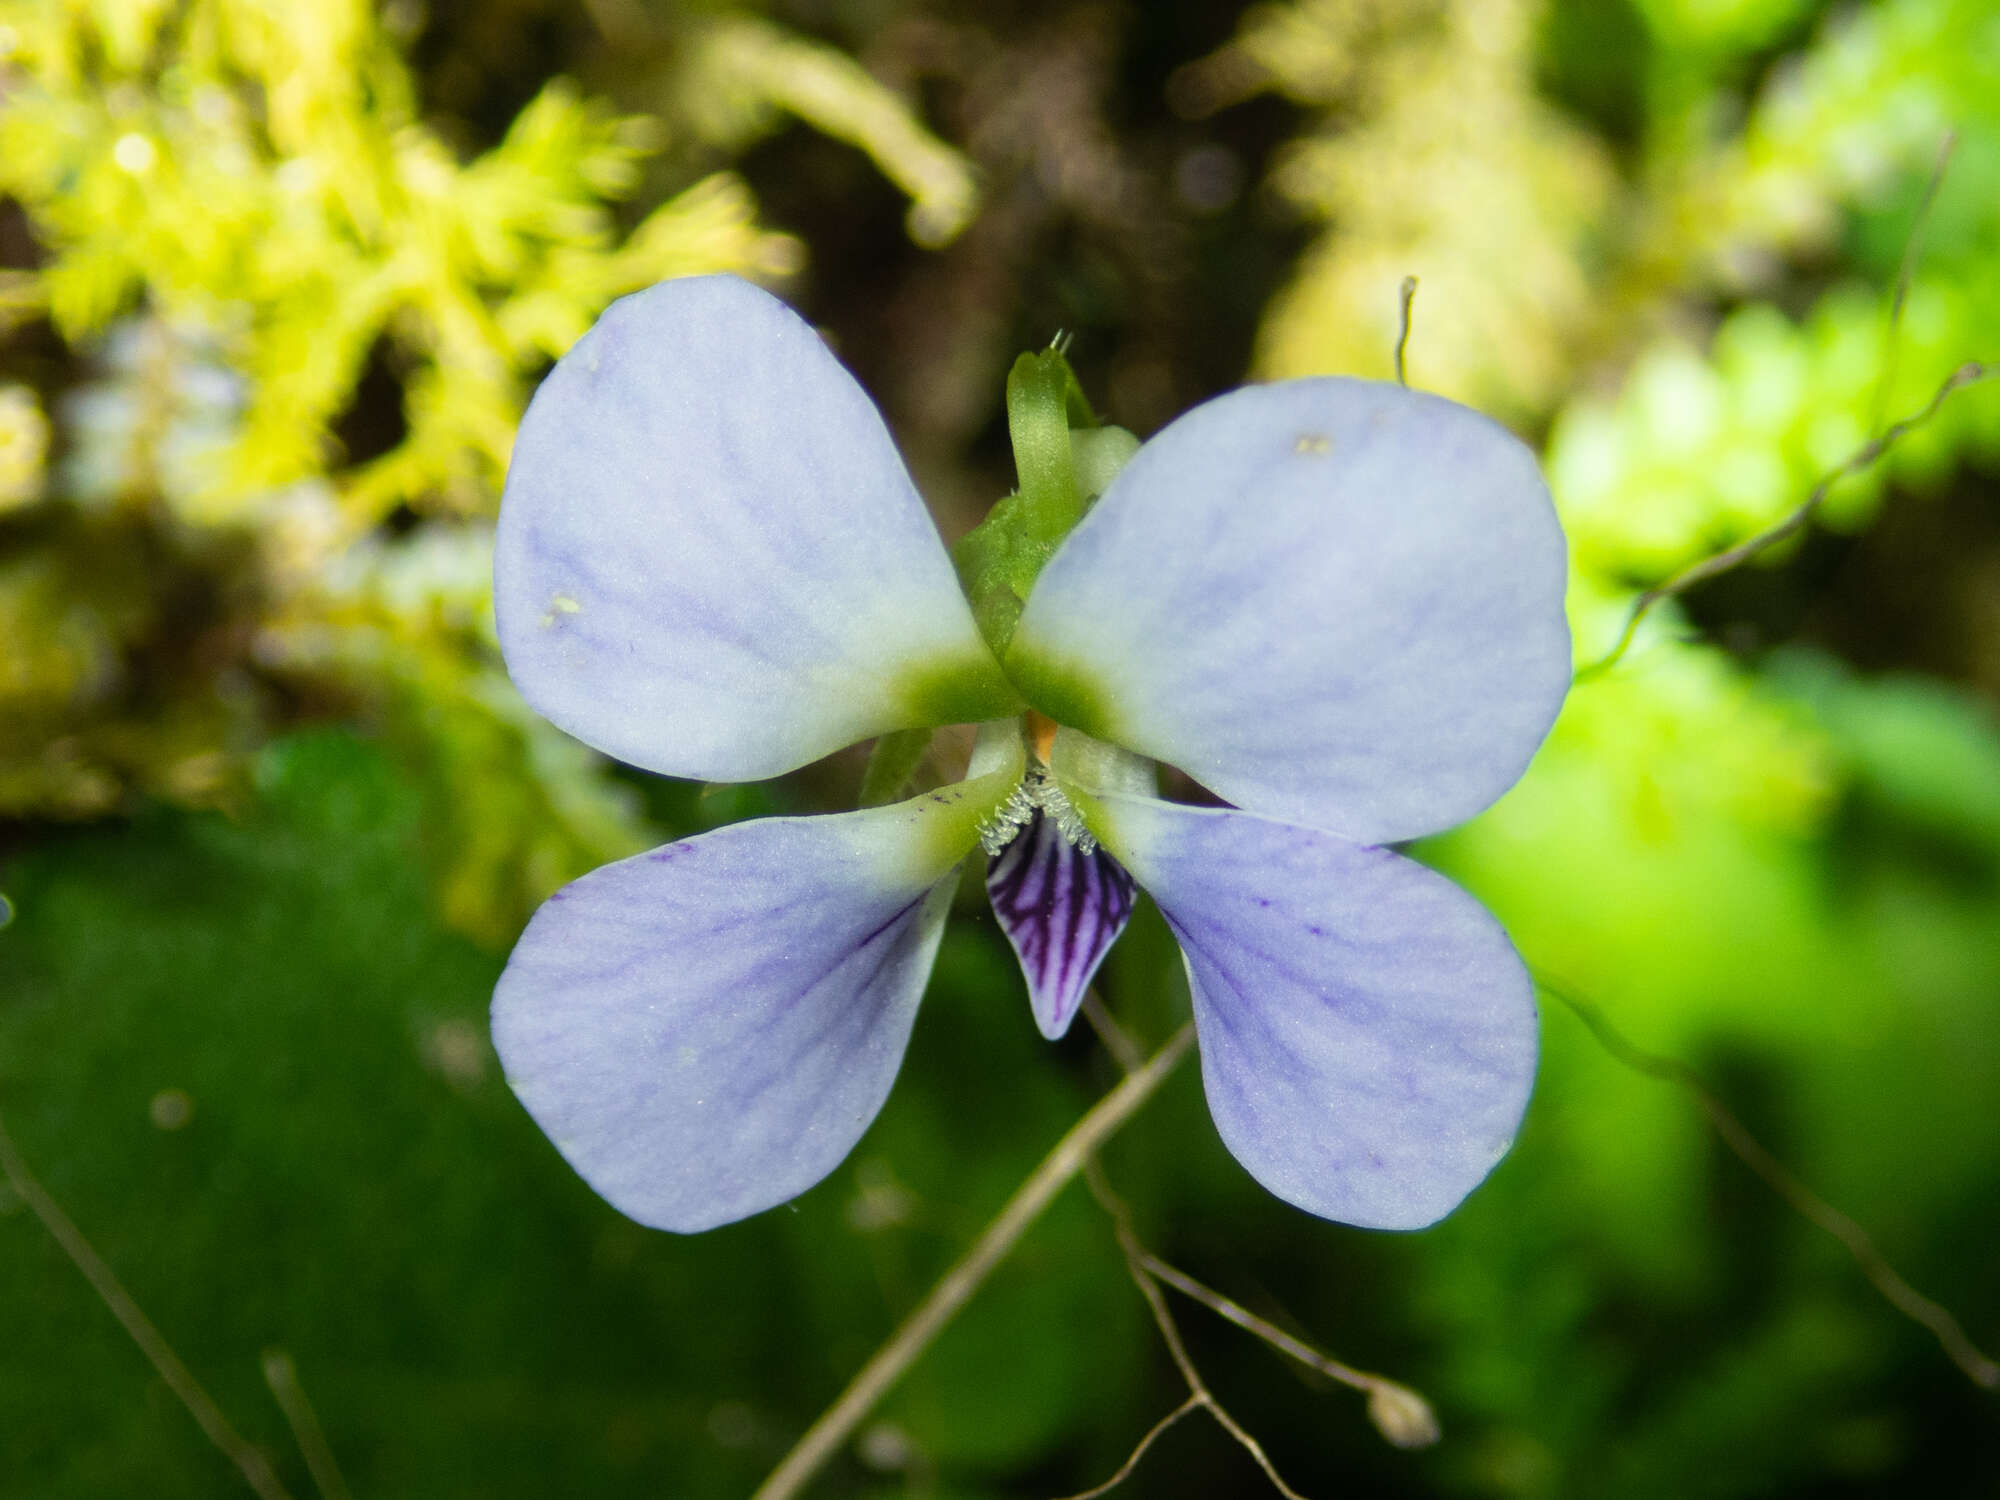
(1336, 604)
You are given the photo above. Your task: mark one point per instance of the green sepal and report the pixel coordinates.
(1099, 453)
(1064, 460)
(997, 563)
(1042, 396)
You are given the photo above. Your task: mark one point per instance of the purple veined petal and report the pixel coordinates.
(1062, 908)
(706, 1030)
(1332, 601)
(710, 559)
(1367, 1031)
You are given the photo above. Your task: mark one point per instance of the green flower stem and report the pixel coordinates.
(891, 764)
(1099, 453)
(825, 1437)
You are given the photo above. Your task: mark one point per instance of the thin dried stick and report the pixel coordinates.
(1170, 1333)
(1863, 458)
(1193, 1403)
(1399, 1413)
(282, 1376)
(1117, 1041)
(247, 1457)
(1906, 274)
(1409, 296)
(825, 1437)
(1979, 1367)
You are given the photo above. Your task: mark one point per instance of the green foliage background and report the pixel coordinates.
(275, 281)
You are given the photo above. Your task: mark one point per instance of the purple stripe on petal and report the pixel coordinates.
(1062, 909)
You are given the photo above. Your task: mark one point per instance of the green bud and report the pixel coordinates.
(1064, 461)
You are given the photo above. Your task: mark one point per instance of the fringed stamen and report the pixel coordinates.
(1036, 793)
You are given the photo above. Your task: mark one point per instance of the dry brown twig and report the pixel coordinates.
(837, 1423)
(1906, 275)
(282, 1376)
(1409, 295)
(1115, 1038)
(1402, 1416)
(1862, 459)
(248, 1458)
(1199, 1394)
(1979, 1367)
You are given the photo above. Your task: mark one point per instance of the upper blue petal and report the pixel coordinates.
(710, 560)
(1330, 601)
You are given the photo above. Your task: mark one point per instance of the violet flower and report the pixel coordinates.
(1337, 604)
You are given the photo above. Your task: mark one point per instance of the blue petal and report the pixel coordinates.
(710, 559)
(1367, 1031)
(706, 1030)
(1062, 907)
(1330, 601)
